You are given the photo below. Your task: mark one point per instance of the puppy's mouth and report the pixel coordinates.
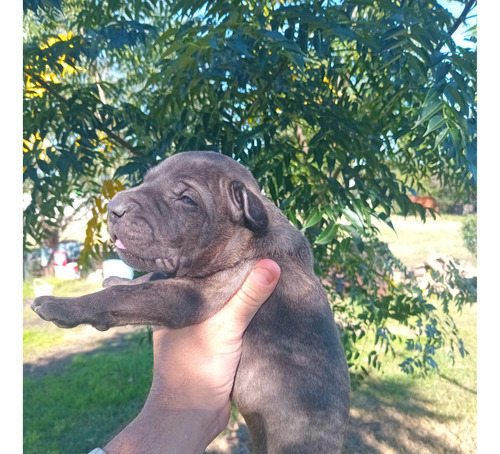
(119, 244)
(140, 262)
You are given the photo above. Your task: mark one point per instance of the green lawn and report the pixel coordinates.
(414, 241)
(78, 398)
(81, 386)
(82, 405)
(395, 413)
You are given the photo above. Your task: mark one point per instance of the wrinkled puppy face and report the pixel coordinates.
(187, 213)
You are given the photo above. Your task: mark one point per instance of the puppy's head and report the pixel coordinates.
(192, 213)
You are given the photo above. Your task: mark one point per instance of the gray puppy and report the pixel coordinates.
(199, 223)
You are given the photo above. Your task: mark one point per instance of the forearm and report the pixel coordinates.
(175, 419)
(166, 431)
(194, 368)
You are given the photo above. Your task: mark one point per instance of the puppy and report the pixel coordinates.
(198, 223)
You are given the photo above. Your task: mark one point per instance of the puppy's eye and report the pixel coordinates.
(188, 200)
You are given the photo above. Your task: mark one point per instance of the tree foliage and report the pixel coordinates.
(339, 108)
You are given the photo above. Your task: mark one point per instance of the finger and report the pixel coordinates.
(257, 288)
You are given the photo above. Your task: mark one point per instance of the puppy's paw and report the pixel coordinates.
(56, 310)
(65, 313)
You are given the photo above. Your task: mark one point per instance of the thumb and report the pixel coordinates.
(255, 290)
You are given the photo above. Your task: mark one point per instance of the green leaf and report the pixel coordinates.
(313, 218)
(327, 235)
(435, 123)
(354, 218)
(432, 104)
(455, 97)
(440, 137)
(456, 138)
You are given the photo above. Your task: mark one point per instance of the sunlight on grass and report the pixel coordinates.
(63, 287)
(414, 242)
(84, 405)
(439, 410)
(38, 339)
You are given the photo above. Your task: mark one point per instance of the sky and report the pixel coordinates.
(456, 9)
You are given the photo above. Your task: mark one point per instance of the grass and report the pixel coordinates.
(63, 287)
(74, 401)
(415, 242)
(36, 340)
(396, 413)
(85, 404)
(81, 402)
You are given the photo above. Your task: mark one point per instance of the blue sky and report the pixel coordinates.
(456, 9)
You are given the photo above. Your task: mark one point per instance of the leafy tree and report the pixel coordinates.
(338, 108)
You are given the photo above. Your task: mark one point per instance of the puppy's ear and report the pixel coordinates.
(247, 207)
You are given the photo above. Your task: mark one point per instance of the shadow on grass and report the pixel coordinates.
(387, 417)
(78, 401)
(459, 385)
(390, 416)
(55, 360)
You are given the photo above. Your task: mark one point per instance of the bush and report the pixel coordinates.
(469, 233)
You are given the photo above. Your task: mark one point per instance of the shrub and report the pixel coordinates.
(469, 233)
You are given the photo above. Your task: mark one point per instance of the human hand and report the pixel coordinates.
(194, 367)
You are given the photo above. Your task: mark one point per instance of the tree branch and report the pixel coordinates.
(460, 20)
(112, 135)
(262, 93)
(301, 139)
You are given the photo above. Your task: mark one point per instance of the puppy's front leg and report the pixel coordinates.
(171, 302)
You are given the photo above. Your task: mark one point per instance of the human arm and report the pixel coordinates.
(194, 368)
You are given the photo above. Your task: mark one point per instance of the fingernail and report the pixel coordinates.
(263, 276)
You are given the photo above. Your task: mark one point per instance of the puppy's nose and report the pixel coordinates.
(117, 207)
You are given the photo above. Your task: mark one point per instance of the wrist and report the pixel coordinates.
(159, 429)
(189, 430)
